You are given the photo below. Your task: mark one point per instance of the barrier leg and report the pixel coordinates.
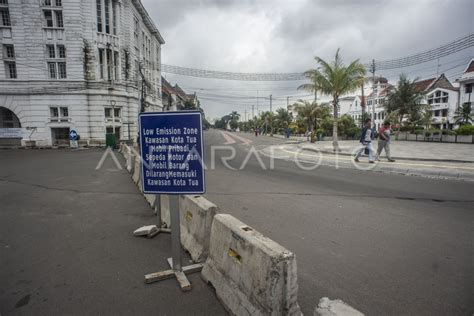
(175, 262)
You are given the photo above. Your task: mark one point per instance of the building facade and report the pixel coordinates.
(442, 100)
(88, 65)
(466, 82)
(175, 99)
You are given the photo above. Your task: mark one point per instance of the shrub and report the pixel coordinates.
(448, 132)
(465, 130)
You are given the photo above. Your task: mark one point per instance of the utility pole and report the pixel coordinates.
(315, 95)
(372, 70)
(287, 102)
(245, 115)
(270, 102)
(253, 116)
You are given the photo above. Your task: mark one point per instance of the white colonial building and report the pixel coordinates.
(466, 82)
(76, 64)
(442, 98)
(374, 97)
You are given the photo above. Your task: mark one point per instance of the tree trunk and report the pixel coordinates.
(335, 143)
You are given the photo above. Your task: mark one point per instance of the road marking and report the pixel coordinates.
(244, 141)
(229, 140)
(328, 157)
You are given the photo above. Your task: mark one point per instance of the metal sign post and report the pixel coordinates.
(73, 138)
(171, 149)
(157, 210)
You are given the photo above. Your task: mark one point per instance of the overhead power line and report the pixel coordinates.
(433, 54)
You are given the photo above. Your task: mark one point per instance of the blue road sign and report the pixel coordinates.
(72, 135)
(171, 149)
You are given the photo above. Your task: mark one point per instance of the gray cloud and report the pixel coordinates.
(285, 35)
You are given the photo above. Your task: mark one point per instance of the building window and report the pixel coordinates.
(59, 19)
(57, 67)
(5, 2)
(59, 113)
(5, 17)
(99, 15)
(54, 112)
(135, 31)
(51, 51)
(49, 3)
(8, 51)
(10, 68)
(116, 65)
(62, 71)
(107, 16)
(52, 70)
(101, 63)
(61, 51)
(57, 70)
(108, 112)
(112, 114)
(468, 88)
(114, 18)
(109, 64)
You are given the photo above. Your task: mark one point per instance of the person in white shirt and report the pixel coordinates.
(384, 142)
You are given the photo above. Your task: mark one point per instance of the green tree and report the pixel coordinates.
(346, 125)
(335, 79)
(427, 118)
(283, 119)
(463, 115)
(189, 105)
(404, 100)
(311, 114)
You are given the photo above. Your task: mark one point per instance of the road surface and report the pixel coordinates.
(387, 244)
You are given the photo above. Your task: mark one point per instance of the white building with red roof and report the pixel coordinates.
(442, 98)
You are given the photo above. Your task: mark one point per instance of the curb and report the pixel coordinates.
(399, 158)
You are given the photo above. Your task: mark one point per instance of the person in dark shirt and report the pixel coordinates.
(366, 141)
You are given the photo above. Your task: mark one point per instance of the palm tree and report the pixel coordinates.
(463, 115)
(404, 99)
(335, 79)
(283, 118)
(311, 112)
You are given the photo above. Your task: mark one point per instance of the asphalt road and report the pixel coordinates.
(386, 244)
(66, 244)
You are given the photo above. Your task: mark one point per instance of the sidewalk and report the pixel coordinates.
(405, 150)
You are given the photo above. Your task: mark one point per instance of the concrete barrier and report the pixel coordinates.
(466, 139)
(136, 170)
(327, 307)
(252, 274)
(150, 198)
(196, 215)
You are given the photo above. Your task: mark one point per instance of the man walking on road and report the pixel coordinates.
(366, 141)
(384, 142)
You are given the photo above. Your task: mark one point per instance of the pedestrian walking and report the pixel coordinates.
(366, 141)
(384, 140)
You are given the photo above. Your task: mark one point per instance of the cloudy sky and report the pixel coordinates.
(284, 36)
